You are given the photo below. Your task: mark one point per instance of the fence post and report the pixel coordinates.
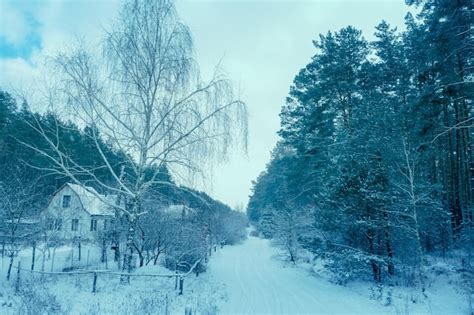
(181, 281)
(94, 284)
(17, 285)
(33, 257)
(52, 260)
(79, 250)
(176, 281)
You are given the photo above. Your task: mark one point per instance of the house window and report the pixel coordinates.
(106, 225)
(66, 201)
(93, 224)
(58, 224)
(49, 224)
(74, 224)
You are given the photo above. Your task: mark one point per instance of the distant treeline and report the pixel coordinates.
(18, 160)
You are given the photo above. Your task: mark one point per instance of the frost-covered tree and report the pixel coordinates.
(144, 96)
(292, 227)
(17, 204)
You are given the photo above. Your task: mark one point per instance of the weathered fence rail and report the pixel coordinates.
(179, 276)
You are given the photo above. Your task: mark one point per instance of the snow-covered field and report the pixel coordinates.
(249, 278)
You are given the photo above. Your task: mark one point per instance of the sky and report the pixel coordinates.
(260, 44)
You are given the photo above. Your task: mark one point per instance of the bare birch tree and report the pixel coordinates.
(415, 197)
(292, 223)
(144, 96)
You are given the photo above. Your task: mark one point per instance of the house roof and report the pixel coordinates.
(92, 201)
(177, 209)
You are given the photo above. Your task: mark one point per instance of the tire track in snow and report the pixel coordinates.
(258, 284)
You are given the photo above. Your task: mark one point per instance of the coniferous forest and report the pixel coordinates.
(374, 167)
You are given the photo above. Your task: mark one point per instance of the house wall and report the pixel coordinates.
(75, 210)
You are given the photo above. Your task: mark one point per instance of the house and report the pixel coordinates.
(76, 211)
(178, 211)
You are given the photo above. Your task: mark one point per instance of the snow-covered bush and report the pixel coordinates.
(346, 265)
(144, 304)
(185, 261)
(292, 228)
(150, 303)
(35, 300)
(232, 228)
(255, 233)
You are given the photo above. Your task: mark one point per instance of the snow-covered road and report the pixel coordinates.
(257, 283)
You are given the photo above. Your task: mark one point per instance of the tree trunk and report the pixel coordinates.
(451, 178)
(373, 263)
(390, 265)
(43, 259)
(104, 250)
(116, 249)
(127, 260)
(52, 259)
(142, 259)
(33, 257)
(10, 265)
(155, 259)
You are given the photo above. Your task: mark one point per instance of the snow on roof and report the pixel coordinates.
(178, 209)
(92, 201)
(24, 221)
(175, 208)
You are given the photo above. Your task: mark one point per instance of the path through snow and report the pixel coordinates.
(257, 283)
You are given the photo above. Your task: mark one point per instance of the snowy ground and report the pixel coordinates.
(258, 282)
(72, 294)
(250, 278)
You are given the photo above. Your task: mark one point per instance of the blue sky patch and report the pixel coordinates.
(30, 42)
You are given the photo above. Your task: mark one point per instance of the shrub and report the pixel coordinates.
(254, 233)
(35, 300)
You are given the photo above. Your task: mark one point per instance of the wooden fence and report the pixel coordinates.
(179, 277)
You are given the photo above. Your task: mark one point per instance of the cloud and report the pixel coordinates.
(19, 35)
(32, 30)
(18, 76)
(14, 26)
(65, 22)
